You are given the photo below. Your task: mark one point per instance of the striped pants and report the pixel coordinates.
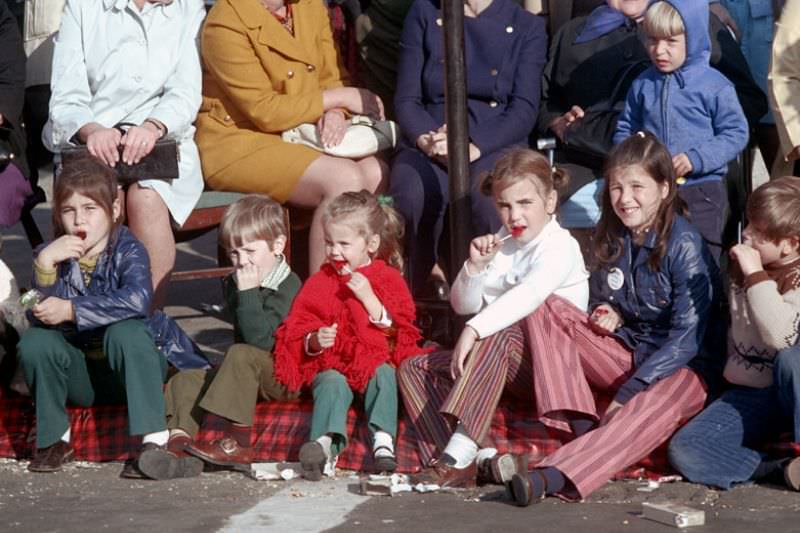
(568, 359)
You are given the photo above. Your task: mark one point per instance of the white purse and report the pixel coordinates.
(364, 137)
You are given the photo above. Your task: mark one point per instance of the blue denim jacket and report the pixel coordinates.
(120, 288)
(665, 314)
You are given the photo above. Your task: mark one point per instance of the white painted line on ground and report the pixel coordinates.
(301, 507)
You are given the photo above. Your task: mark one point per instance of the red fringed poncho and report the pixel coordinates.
(360, 347)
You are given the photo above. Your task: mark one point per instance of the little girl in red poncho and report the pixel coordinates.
(349, 328)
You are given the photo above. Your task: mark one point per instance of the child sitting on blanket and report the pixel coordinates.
(349, 328)
(94, 339)
(721, 445)
(258, 293)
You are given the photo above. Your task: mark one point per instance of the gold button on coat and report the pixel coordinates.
(310, 68)
(509, 29)
(493, 72)
(438, 21)
(492, 104)
(290, 74)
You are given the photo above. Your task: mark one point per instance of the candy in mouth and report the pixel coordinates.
(516, 231)
(81, 233)
(341, 266)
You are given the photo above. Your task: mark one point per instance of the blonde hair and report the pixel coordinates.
(251, 218)
(775, 208)
(662, 21)
(519, 164)
(370, 215)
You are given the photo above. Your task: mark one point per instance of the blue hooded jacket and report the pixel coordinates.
(693, 110)
(120, 289)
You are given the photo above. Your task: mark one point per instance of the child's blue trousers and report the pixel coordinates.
(719, 446)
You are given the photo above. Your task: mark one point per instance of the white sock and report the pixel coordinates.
(325, 441)
(67, 435)
(159, 438)
(484, 454)
(382, 441)
(461, 447)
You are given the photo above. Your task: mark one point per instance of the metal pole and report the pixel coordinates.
(457, 132)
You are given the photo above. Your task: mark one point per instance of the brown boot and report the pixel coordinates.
(52, 458)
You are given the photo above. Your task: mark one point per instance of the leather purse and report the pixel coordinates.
(364, 137)
(160, 164)
(6, 149)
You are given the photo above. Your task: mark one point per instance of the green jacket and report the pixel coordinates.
(258, 312)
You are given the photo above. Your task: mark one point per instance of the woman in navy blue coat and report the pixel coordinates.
(505, 49)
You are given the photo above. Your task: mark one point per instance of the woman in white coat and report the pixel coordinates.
(136, 62)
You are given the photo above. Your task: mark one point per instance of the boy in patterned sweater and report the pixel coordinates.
(719, 446)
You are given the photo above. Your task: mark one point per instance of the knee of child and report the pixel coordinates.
(34, 346)
(331, 382)
(684, 452)
(124, 331)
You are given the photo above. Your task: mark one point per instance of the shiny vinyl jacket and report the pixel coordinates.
(667, 314)
(120, 288)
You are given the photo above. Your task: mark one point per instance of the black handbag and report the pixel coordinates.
(160, 164)
(6, 149)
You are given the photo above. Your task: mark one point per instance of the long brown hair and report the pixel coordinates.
(89, 177)
(645, 151)
(523, 163)
(371, 215)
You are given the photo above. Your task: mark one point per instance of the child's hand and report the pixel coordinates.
(462, 350)
(604, 319)
(748, 258)
(325, 337)
(61, 249)
(53, 311)
(247, 277)
(361, 287)
(682, 165)
(481, 251)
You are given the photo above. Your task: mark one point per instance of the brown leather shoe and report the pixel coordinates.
(131, 469)
(446, 475)
(501, 468)
(177, 444)
(223, 452)
(521, 488)
(791, 474)
(164, 464)
(52, 458)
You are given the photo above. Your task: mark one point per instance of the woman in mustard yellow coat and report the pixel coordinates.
(269, 66)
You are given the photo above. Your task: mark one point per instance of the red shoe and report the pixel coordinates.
(223, 452)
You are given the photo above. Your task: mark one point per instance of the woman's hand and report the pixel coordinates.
(481, 251)
(138, 142)
(332, 126)
(53, 311)
(101, 142)
(605, 319)
(61, 249)
(462, 350)
(560, 124)
(355, 100)
(748, 258)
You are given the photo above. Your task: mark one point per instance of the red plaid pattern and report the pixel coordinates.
(101, 434)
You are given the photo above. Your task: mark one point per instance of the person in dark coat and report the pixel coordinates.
(505, 49)
(14, 186)
(593, 61)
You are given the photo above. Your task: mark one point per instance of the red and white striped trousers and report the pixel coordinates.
(554, 358)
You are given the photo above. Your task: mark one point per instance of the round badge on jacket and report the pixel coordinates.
(616, 279)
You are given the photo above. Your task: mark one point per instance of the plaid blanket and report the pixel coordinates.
(100, 433)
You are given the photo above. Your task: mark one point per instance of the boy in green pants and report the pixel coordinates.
(258, 293)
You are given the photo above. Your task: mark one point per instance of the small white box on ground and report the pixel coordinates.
(673, 514)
